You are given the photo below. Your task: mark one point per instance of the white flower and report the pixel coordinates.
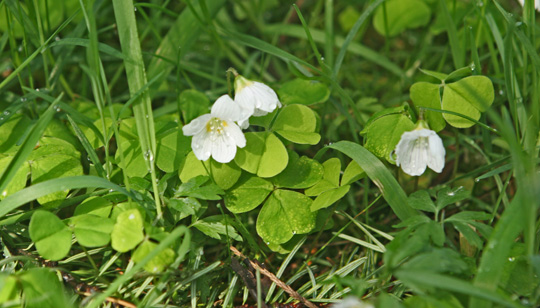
(536, 4)
(420, 148)
(255, 98)
(352, 302)
(216, 134)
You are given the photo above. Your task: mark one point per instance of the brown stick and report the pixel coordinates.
(114, 300)
(292, 293)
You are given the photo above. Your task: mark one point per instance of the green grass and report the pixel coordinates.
(94, 94)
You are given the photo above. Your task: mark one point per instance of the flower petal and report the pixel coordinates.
(436, 153)
(235, 135)
(196, 125)
(227, 109)
(201, 144)
(223, 149)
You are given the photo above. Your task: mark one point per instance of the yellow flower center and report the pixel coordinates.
(216, 126)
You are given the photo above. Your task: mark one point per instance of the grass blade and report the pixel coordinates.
(377, 172)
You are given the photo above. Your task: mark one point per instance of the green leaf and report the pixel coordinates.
(284, 214)
(52, 167)
(377, 172)
(128, 231)
(297, 123)
(425, 94)
(51, 235)
(193, 104)
(300, 173)
(330, 180)
(400, 15)
(383, 132)
(158, 263)
(215, 227)
(447, 196)
(91, 230)
(247, 194)
(329, 197)
(466, 216)
(225, 175)
(194, 188)
(264, 155)
(440, 260)
(185, 206)
(352, 173)
(421, 200)
(9, 288)
(469, 96)
(94, 205)
(305, 92)
(42, 288)
(12, 131)
(18, 181)
(172, 150)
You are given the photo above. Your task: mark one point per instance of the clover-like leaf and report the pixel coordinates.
(469, 96)
(98, 206)
(51, 236)
(264, 155)
(330, 180)
(127, 233)
(172, 150)
(298, 124)
(284, 214)
(352, 173)
(301, 172)
(91, 230)
(305, 92)
(329, 197)
(225, 175)
(425, 94)
(18, 182)
(394, 16)
(383, 131)
(158, 263)
(421, 200)
(247, 194)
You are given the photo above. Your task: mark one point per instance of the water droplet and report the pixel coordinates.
(23, 99)
(451, 193)
(58, 109)
(147, 116)
(6, 112)
(135, 9)
(518, 24)
(294, 232)
(267, 243)
(511, 259)
(477, 180)
(111, 190)
(20, 49)
(1, 119)
(57, 38)
(37, 90)
(322, 58)
(132, 216)
(501, 92)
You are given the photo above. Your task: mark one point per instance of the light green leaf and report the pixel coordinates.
(264, 155)
(214, 227)
(352, 173)
(51, 235)
(193, 104)
(128, 231)
(400, 15)
(42, 288)
(330, 180)
(305, 92)
(185, 206)
(247, 194)
(158, 263)
(284, 214)
(12, 131)
(91, 230)
(172, 150)
(300, 173)
(425, 94)
(225, 175)
(297, 123)
(329, 197)
(469, 96)
(383, 132)
(94, 205)
(18, 181)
